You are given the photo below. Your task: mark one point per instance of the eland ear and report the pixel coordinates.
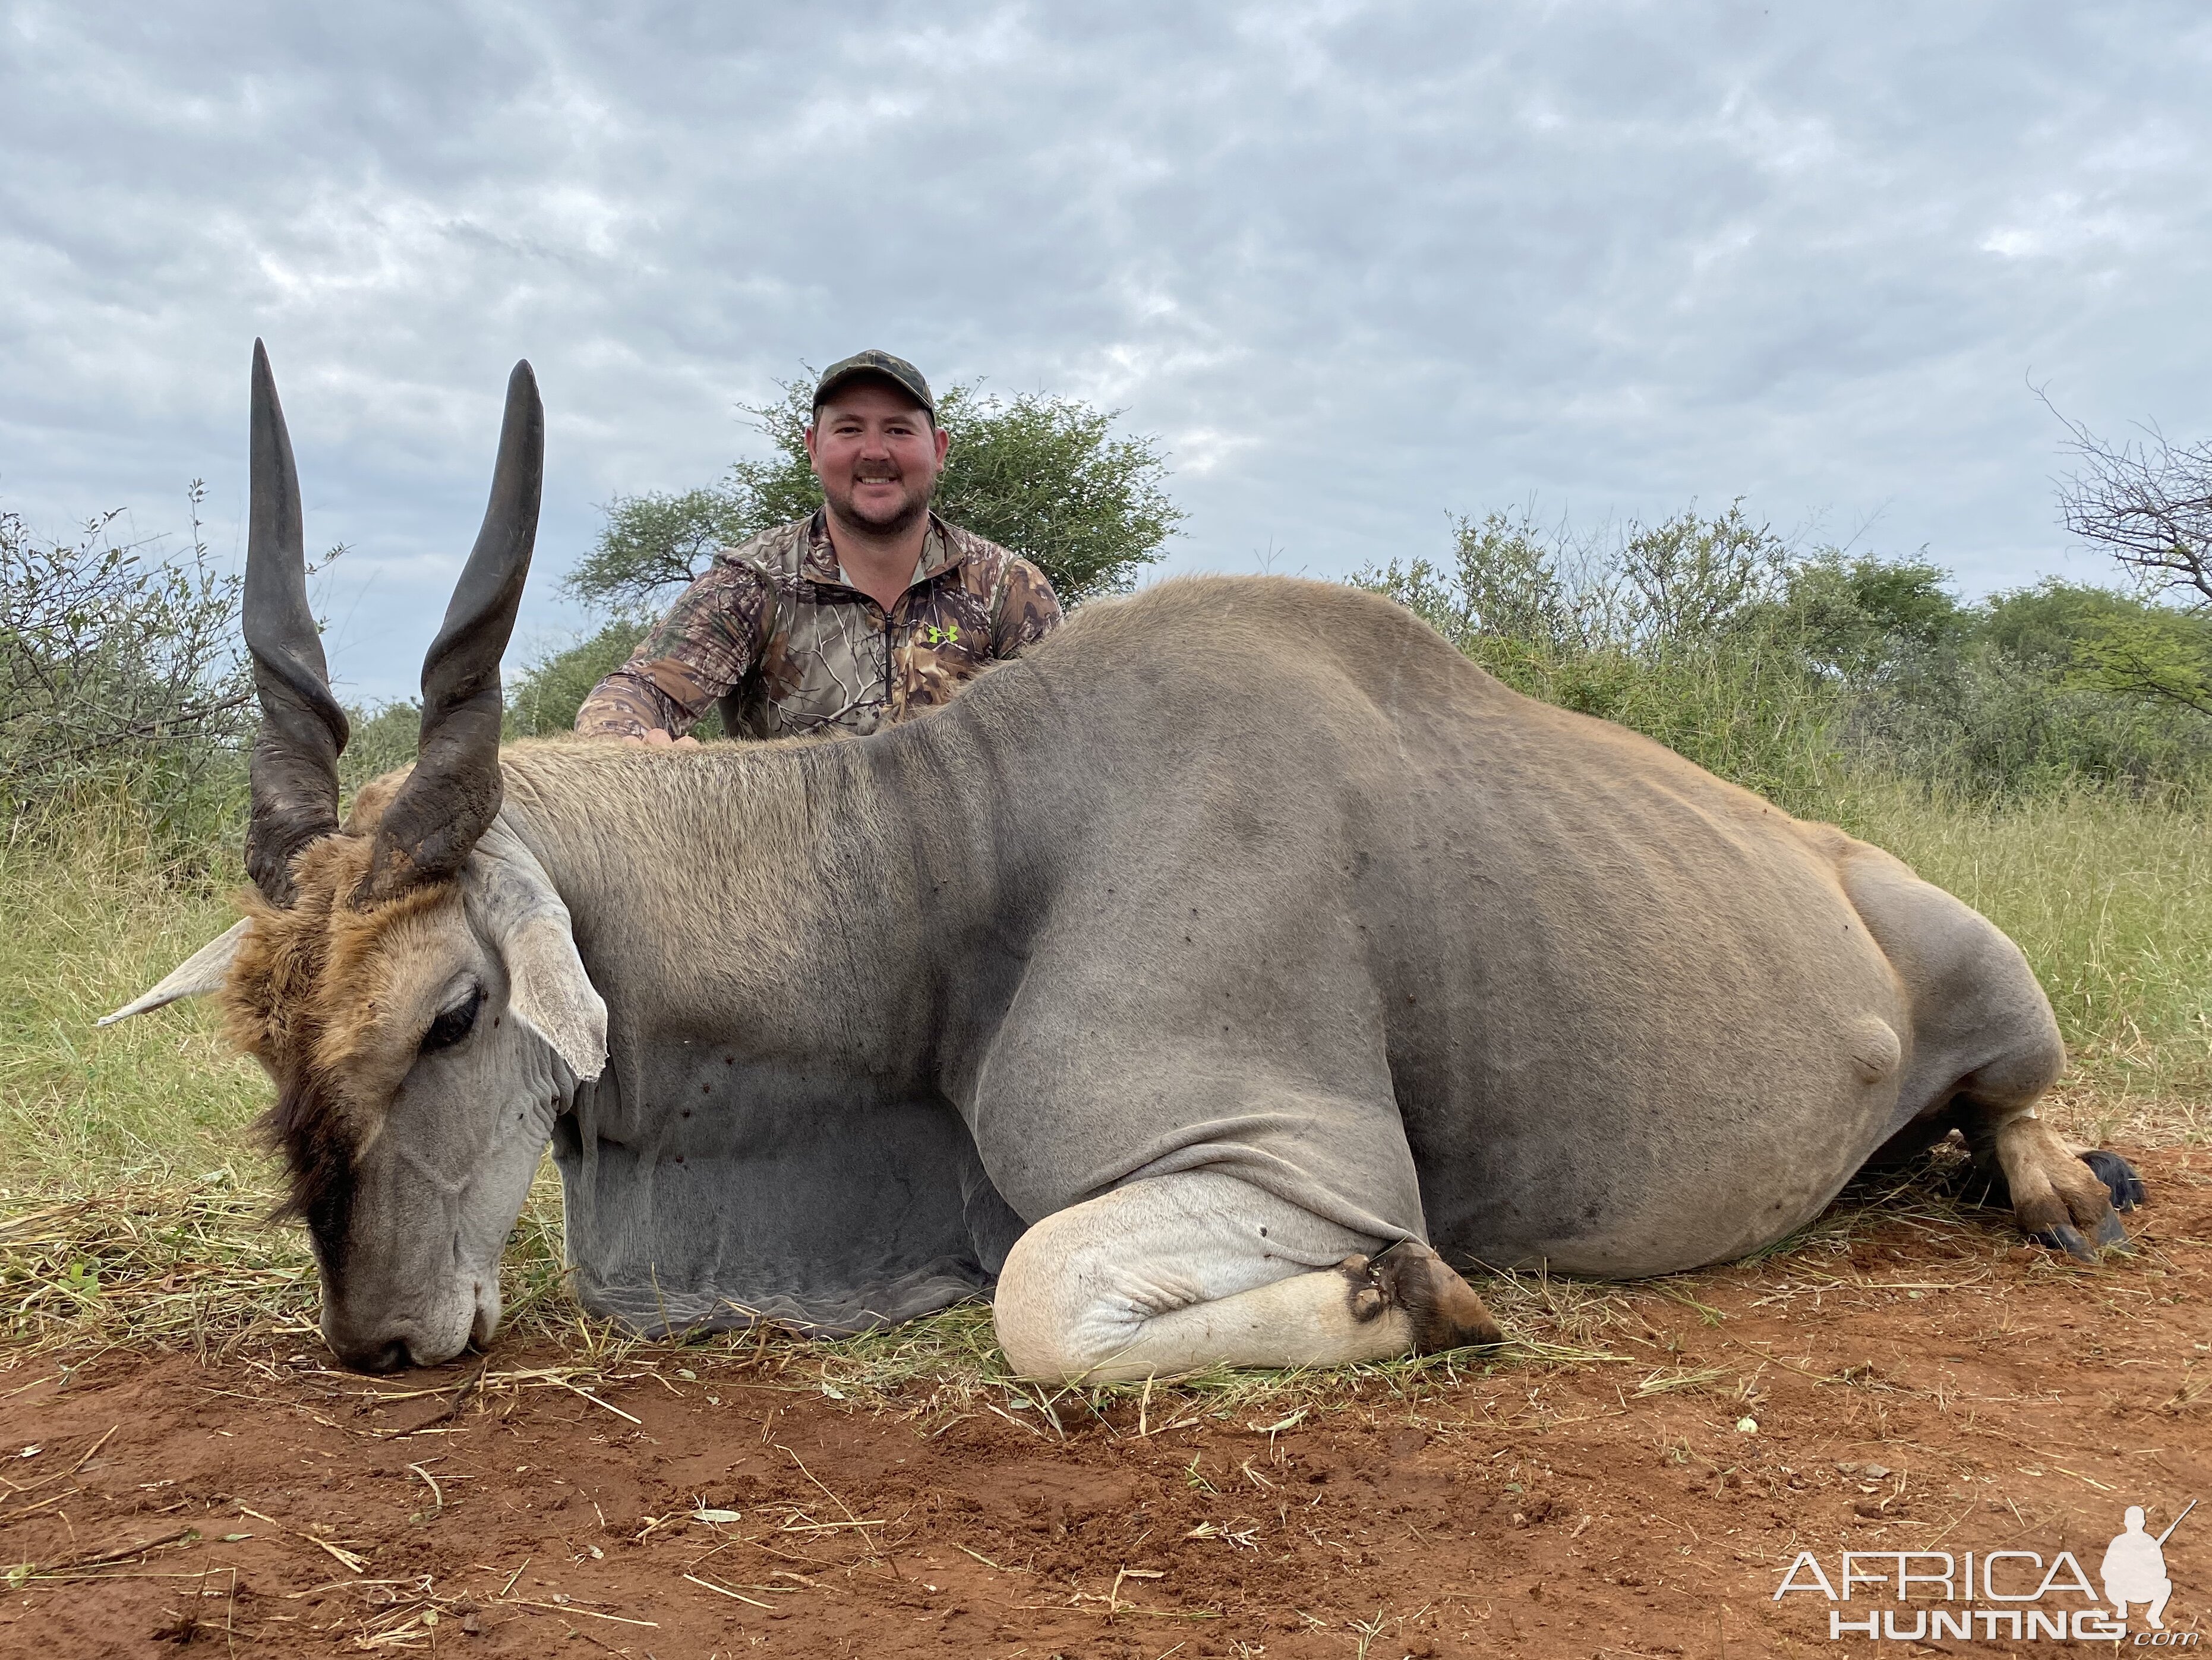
(550, 993)
(513, 900)
(204, 971)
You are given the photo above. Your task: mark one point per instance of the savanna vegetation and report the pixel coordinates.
(2044, 752)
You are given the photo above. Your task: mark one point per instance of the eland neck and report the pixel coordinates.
(799, 899)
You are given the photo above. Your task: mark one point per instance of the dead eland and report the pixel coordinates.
(1206, 980)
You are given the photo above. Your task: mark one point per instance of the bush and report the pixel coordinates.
(1787, 670)
(544, 699)
(1861, 619)
(2022, 697)
(125, 697)
(1683, 630)
(384, 738)
(121, 677)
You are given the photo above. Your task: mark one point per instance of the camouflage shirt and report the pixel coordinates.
(776, 632)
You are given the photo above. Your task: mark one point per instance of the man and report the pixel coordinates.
(870, 609)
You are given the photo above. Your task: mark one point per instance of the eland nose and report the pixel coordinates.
(388, 1357)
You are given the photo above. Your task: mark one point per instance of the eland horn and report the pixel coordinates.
(294, 768)
(450, 797)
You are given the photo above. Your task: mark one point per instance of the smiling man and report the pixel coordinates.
(867, 612)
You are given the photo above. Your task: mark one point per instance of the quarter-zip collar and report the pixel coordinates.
(939, 553)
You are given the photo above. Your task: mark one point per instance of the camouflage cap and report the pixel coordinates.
(882, 365)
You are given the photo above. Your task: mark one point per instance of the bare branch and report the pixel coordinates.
(2147, 501)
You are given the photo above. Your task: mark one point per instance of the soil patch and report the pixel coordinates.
(1920, 1385)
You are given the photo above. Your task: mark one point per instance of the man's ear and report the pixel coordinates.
(512, 900)
(204, 971)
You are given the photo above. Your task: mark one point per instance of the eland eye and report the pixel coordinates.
(453, 1025)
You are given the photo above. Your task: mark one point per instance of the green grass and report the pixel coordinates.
(132, 1194)
(2111, 900)
(89, 924)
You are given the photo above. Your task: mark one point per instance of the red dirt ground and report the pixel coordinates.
(2007, 1401)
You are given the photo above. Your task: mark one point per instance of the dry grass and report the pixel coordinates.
(195, 1269)
(132, 1200)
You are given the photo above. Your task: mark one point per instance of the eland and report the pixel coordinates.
(1207, 981)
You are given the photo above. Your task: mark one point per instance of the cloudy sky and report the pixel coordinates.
(1358, 266)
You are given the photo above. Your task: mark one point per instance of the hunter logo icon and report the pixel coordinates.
(2134, 1569)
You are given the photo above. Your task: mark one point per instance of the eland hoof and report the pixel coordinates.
(2110, 1236)
(2119, 1178)
(2065, 1236)
(1445, 1310)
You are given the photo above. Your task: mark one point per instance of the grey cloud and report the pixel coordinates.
(1360, 265)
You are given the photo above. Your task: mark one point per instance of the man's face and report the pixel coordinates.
(878, 456)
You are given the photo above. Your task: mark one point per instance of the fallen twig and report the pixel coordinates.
(121, 1553)
(345, 1558)
(724, 1590)
(570, 1607)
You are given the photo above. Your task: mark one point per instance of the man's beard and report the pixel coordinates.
(900, 518)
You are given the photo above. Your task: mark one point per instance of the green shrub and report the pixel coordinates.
(1787, 669)
(1682, 630)
(120, 678)
(543, 700)
(384, 738)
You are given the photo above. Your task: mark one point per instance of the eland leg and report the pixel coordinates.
(1175, 1273)
(2061, 1197)
(1985, 1048)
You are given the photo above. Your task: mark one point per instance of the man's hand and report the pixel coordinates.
(655, 738)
